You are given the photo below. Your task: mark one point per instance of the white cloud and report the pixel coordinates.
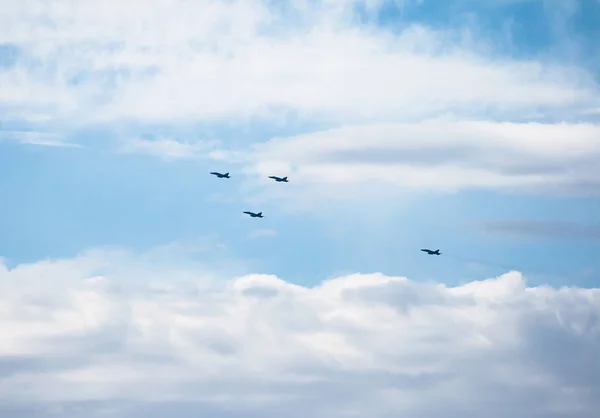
(187, 62)
(434, 155)
(175, 62)
(36, 138)
(212, 59)
(361, 345)
(168, 148)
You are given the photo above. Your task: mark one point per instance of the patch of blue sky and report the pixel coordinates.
(523, 20)
(58, 202)
(520, 29)
(98, 198)
(9, 54)
(453, 223)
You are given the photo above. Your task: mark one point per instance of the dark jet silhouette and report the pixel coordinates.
(255, 215)
(431, 252)
(279, 179)
(219, 175)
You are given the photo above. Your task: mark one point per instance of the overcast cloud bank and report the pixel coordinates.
(191, 343)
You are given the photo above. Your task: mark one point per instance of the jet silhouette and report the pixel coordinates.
(219, 175)
(255, 215)
(431, 252)
(279, 179)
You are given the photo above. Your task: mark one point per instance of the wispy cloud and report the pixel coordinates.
(543, 229)
(37, 138)
(168, 148)
(443, 155)
(238, 59)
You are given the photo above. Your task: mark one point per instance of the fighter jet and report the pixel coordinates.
(219, 175)
(255, 215)
(279, 179)
(431, 252)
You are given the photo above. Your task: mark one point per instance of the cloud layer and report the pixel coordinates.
(415, 108)
(83, 337)
(215, 59)
(443, 155)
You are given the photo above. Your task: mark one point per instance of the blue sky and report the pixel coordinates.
(468, 126)
(62, 200)
(65, 200)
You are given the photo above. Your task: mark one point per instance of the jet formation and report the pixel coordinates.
(251, 214)
(285, 180)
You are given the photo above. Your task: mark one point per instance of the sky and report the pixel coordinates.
(468, 126)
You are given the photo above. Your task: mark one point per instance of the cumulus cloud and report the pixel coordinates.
(79, 339)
